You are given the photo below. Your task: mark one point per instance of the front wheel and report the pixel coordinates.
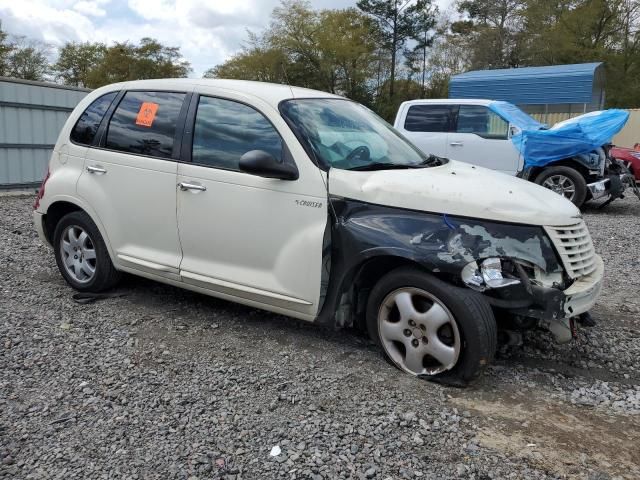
(565, 181)
(430, 329)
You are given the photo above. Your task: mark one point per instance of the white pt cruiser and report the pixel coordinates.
(308, 204)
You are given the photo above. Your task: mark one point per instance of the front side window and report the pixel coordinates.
(225, 130)
(145, 123)
(87, 125)
(428, 118)
(344, 134)
(482, 121)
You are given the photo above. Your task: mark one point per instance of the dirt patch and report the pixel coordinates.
(558, 437)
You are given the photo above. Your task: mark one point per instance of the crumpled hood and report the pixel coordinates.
(457, 188)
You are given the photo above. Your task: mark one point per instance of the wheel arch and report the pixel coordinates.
(352, 293)
(58, 207)
(568, 162)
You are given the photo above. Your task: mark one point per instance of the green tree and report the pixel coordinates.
(76, 61)
(28, 59)
(5, 50)
(493, 30)
(398, 21)
(258, 63)
(154, 60)
(424, 36)
(331, 50)
(126, 61)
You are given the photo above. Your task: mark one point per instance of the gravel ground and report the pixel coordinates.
(164, 383)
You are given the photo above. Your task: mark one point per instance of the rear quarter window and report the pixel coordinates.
(87, 125)
(145, 123)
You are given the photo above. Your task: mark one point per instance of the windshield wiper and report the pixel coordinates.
(434, 160)
(382, 166)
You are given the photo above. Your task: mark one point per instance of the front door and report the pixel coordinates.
(130, 181)
(248, 238)
(481, 137)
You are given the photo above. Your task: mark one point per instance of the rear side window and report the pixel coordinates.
(145, 123)
(428, 118)
(482, 121)
(87, 125)
(225, 130)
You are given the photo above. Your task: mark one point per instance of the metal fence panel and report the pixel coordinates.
(31, 117)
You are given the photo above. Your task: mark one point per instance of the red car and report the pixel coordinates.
(630, 157)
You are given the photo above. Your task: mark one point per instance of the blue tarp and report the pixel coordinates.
(515, 116)
(580, 135)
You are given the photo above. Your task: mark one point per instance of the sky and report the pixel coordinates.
(207, 31)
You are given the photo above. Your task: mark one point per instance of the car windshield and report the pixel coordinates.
(346, 135)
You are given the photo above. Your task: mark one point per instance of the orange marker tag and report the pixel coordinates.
(147, 114)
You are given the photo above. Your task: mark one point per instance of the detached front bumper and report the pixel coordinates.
(599, 189)
(584, 291)
(554, 308)
(565, 305)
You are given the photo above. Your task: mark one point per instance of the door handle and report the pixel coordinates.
(191, 186)
(456, 144)
(91, 169)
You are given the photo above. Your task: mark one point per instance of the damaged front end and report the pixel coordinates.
(531, 275)
(610, 178)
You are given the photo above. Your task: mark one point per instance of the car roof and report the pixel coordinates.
(449, 101)
(272, 93)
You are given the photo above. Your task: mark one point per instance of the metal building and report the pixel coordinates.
(31, 117)
(549, 93)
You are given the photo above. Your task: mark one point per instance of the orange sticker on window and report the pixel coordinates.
(147, 114)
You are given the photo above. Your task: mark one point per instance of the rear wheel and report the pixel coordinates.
(429, 328)
(81, 254)
(565, 181)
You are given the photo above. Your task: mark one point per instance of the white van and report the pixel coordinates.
(308, 204)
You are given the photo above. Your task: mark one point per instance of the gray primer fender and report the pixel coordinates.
(441, 244)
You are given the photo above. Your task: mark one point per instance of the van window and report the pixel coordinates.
(87, 125)
(482, 121)
(428, 118)
(145, 123)
(225, 130)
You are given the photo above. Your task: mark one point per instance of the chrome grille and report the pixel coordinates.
(575, 248)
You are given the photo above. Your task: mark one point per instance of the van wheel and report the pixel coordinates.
(81, 254)
(565, 181)
(431, 329)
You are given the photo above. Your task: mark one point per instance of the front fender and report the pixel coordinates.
(440, 244)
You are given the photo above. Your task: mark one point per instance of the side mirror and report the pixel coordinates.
(261, 163)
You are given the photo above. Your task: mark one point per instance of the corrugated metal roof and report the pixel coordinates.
(31, 116)
(529, 85)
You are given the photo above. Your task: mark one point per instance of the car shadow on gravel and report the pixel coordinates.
(180, 309)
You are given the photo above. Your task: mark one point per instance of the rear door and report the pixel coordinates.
(427, 126)
(481, 137)
(130, 180)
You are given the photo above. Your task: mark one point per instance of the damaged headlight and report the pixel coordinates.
(490, 273)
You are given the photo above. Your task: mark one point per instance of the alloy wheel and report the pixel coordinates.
(561, 185)
(78, 254)
(418, 332)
